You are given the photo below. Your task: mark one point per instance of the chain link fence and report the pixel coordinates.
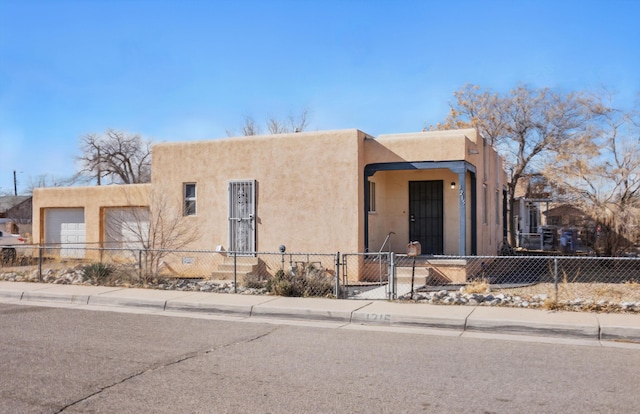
(352, 275)
(285, 274)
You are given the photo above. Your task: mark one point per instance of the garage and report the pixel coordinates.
(65, 227)
(126, 227)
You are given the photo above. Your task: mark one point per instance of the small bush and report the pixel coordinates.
(478, 286)
(302, 281)
(97, 272)
(551, 304)
(253, 281)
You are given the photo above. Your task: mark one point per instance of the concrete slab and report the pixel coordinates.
(382, 292)
(225, 303)
(14, 290)
(76, 294)
(308, 308)
(533, 322)
(413, 314)
(619, 327)
(132, 297)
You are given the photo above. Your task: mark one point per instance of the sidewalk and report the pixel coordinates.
(495, 320)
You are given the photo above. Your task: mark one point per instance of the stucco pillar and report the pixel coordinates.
(462, 235)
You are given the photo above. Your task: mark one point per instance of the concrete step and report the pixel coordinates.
(406, 272)
(218, 275)
(244, 265)
(240, 267)
(245, 260)
(430, 271)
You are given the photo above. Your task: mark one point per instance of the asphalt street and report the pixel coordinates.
(60, 360)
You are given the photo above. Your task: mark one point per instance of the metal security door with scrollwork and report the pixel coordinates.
(426, 215)
(242, 214)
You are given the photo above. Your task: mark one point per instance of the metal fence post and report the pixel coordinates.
(282, 254)
(392, 276)
(235, 272)
(337, 264)
(555, 276)
(40, 254)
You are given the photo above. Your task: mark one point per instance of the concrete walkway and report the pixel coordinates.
(462, 319)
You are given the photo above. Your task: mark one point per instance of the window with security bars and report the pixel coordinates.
(190, 199)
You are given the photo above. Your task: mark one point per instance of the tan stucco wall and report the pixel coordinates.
(308, 197)
(490, 173)
(422, 146)
(92, 199)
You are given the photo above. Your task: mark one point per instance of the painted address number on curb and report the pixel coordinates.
(378, 317)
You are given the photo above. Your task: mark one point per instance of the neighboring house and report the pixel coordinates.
(569, 218)
(531, 200)
(17, 210)
(323, 191)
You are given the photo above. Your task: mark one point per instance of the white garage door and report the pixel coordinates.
(66, 227)
(126, 227)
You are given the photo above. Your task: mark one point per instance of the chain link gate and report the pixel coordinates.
(368, 276)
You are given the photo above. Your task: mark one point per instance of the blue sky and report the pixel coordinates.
(190, 70)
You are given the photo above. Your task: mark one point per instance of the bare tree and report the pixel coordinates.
(292, 123)
(157, 230)
(48, 180)
(603, 179)
(117, 155)
(526, 126)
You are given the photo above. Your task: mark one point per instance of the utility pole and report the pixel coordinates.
(15, 183)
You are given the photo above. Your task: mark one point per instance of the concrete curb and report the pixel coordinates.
(534, 322)
(226, 304)
(307, 308)
(65, 294)
(483, 319)
(16, 290)
(619, 327)
(412, 315)
(136, 298)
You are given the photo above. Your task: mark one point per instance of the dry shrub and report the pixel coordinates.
(304, 280)
(253, 281)
(477, 286)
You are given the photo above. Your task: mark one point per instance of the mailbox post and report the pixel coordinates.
(413, 249)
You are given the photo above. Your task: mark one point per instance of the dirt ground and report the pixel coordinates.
(610, 292)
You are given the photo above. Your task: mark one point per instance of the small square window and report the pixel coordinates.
(189, 199)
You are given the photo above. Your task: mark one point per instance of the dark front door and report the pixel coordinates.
(426, 222)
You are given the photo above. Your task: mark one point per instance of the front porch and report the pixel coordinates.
(432, 202)
(376, 268)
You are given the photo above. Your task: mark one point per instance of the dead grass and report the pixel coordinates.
(477, 286)
(595, 292)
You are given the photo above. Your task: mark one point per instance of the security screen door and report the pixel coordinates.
(426, 216)
(242, 214)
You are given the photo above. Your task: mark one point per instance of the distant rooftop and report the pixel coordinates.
(7, 202)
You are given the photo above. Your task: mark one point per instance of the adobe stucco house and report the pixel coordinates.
(322, 191)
